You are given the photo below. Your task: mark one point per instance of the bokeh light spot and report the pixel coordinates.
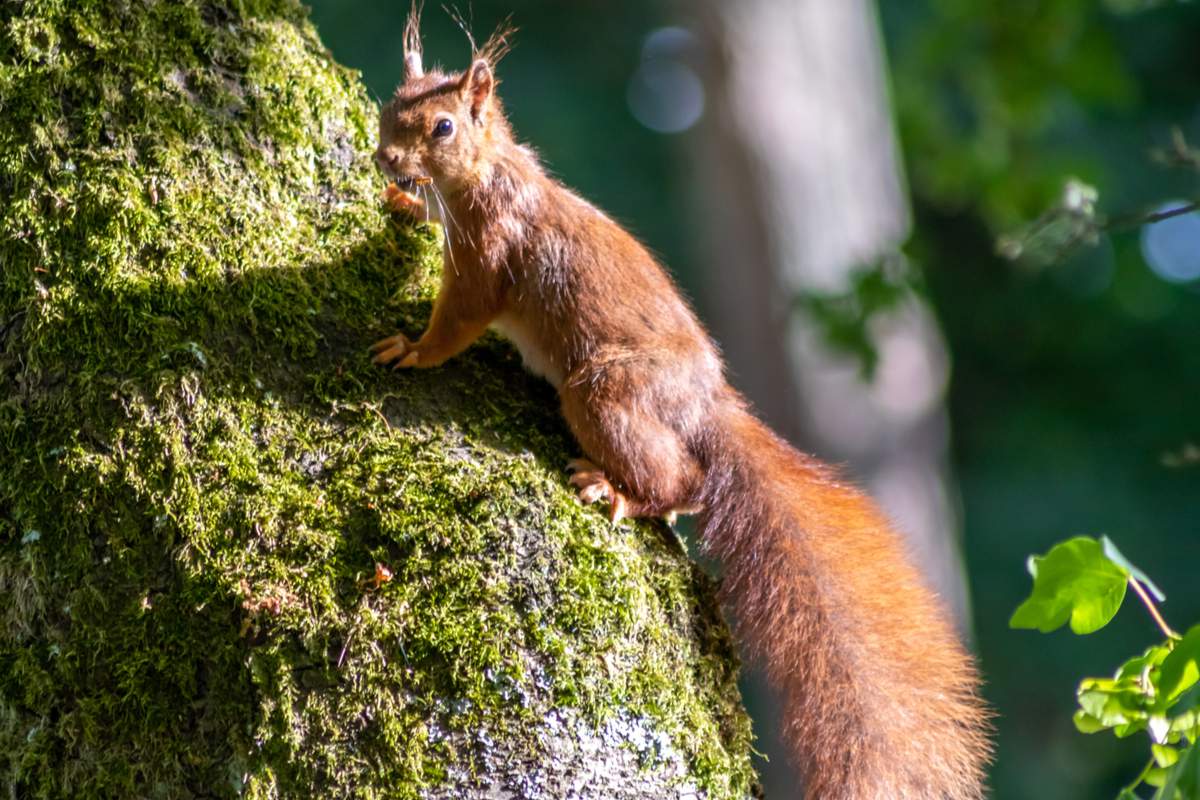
(665, 94)
(1172, 247)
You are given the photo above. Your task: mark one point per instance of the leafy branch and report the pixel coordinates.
(1178, 154)
(1083, 582)
(1075, 222)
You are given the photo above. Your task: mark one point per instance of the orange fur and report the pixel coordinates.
(880, 696)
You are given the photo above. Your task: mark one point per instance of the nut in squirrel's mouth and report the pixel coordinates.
(410, 182)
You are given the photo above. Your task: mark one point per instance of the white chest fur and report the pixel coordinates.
(536, 359)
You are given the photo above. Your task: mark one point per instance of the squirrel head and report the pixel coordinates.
(443, 127)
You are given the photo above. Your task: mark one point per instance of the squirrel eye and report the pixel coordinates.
(442, 128)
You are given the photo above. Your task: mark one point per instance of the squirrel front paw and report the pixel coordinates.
(401, 201)
(396, 349)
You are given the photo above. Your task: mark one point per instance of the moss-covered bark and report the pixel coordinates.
(200, 469)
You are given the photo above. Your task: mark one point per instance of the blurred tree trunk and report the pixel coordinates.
(798, 179)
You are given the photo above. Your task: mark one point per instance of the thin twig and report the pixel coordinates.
(379, 414)
(1174, 212)
(1141, 776)
(1162, 623)
(1134, 220)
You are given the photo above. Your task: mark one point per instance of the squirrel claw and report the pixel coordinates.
(392, 348)
(389, 342)
(591, 493)
(616, 508)
(594, 486)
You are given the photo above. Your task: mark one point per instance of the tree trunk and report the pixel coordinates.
(799, 184)
(236, 560)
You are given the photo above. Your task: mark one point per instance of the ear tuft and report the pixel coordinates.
(498, 44)
(412, 44)
(477, 87)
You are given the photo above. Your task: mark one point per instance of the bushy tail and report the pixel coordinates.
(879, 695)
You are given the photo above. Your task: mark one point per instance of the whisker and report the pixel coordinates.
(445, 206)
(442, 204)
(447, 221)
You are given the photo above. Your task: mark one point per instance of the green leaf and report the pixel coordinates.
(1181, 669)
(1139, 667)
(1086, 723)
(1185, 724)
(1118, 558)
(1181, 781)
(1128, 702)
(1100, 709)
(1075, 581)
(1164, 756)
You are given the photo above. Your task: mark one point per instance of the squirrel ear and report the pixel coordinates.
(476, 88)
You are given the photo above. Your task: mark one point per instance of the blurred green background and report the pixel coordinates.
(1070, 381)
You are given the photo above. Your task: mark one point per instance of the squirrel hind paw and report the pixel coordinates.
(593, 486)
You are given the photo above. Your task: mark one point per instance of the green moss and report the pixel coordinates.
(200, 468)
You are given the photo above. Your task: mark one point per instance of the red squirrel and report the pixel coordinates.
(880, 698)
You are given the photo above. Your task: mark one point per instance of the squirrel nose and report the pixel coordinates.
(386, 159)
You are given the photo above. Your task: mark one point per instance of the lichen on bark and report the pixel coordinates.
(200, 468)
